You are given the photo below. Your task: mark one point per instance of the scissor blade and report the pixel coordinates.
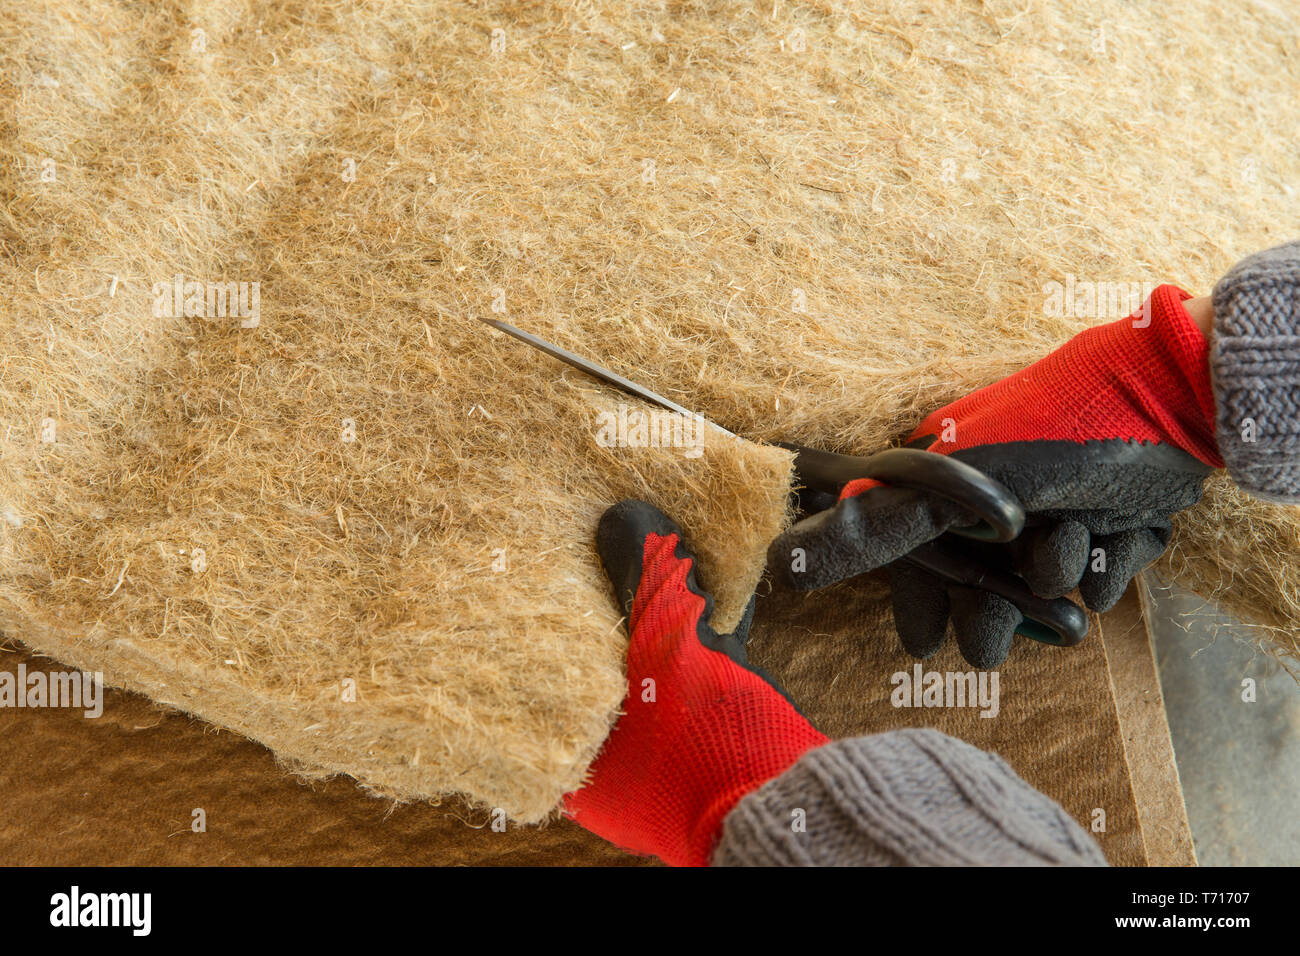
(596, 371)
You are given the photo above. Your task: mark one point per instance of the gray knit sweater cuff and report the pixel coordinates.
(1255, 361)
(907, 797)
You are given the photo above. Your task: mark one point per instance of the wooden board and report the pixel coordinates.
(1144, 729)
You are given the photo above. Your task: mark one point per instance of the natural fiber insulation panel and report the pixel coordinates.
(383, 489)
(808, 221)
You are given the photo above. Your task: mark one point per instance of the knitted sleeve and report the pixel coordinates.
(907, 797)
(1255, 363)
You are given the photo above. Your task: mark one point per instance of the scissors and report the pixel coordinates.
(1057, 621)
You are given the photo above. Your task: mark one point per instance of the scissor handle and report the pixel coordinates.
(1001, 517)
(1057, 621)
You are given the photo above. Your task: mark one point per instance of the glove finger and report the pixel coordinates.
(1101, 521)
(620, 540)
(1114, 560)
(1051, 558)
(921, 607)
(985, 624)
(861, 533)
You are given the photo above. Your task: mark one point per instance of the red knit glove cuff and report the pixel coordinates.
(1143, 379)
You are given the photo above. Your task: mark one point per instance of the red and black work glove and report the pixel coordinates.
(1102, 442)
(700, 728)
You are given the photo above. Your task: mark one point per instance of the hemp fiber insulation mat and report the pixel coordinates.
(807, 221)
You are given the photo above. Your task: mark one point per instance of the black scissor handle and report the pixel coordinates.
(1056, 621)
(1001, 516)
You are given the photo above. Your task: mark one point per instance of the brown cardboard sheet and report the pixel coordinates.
(123, 788)
(1056, 724)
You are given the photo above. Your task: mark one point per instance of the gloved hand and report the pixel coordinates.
(700, 727)
(1102, 442)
